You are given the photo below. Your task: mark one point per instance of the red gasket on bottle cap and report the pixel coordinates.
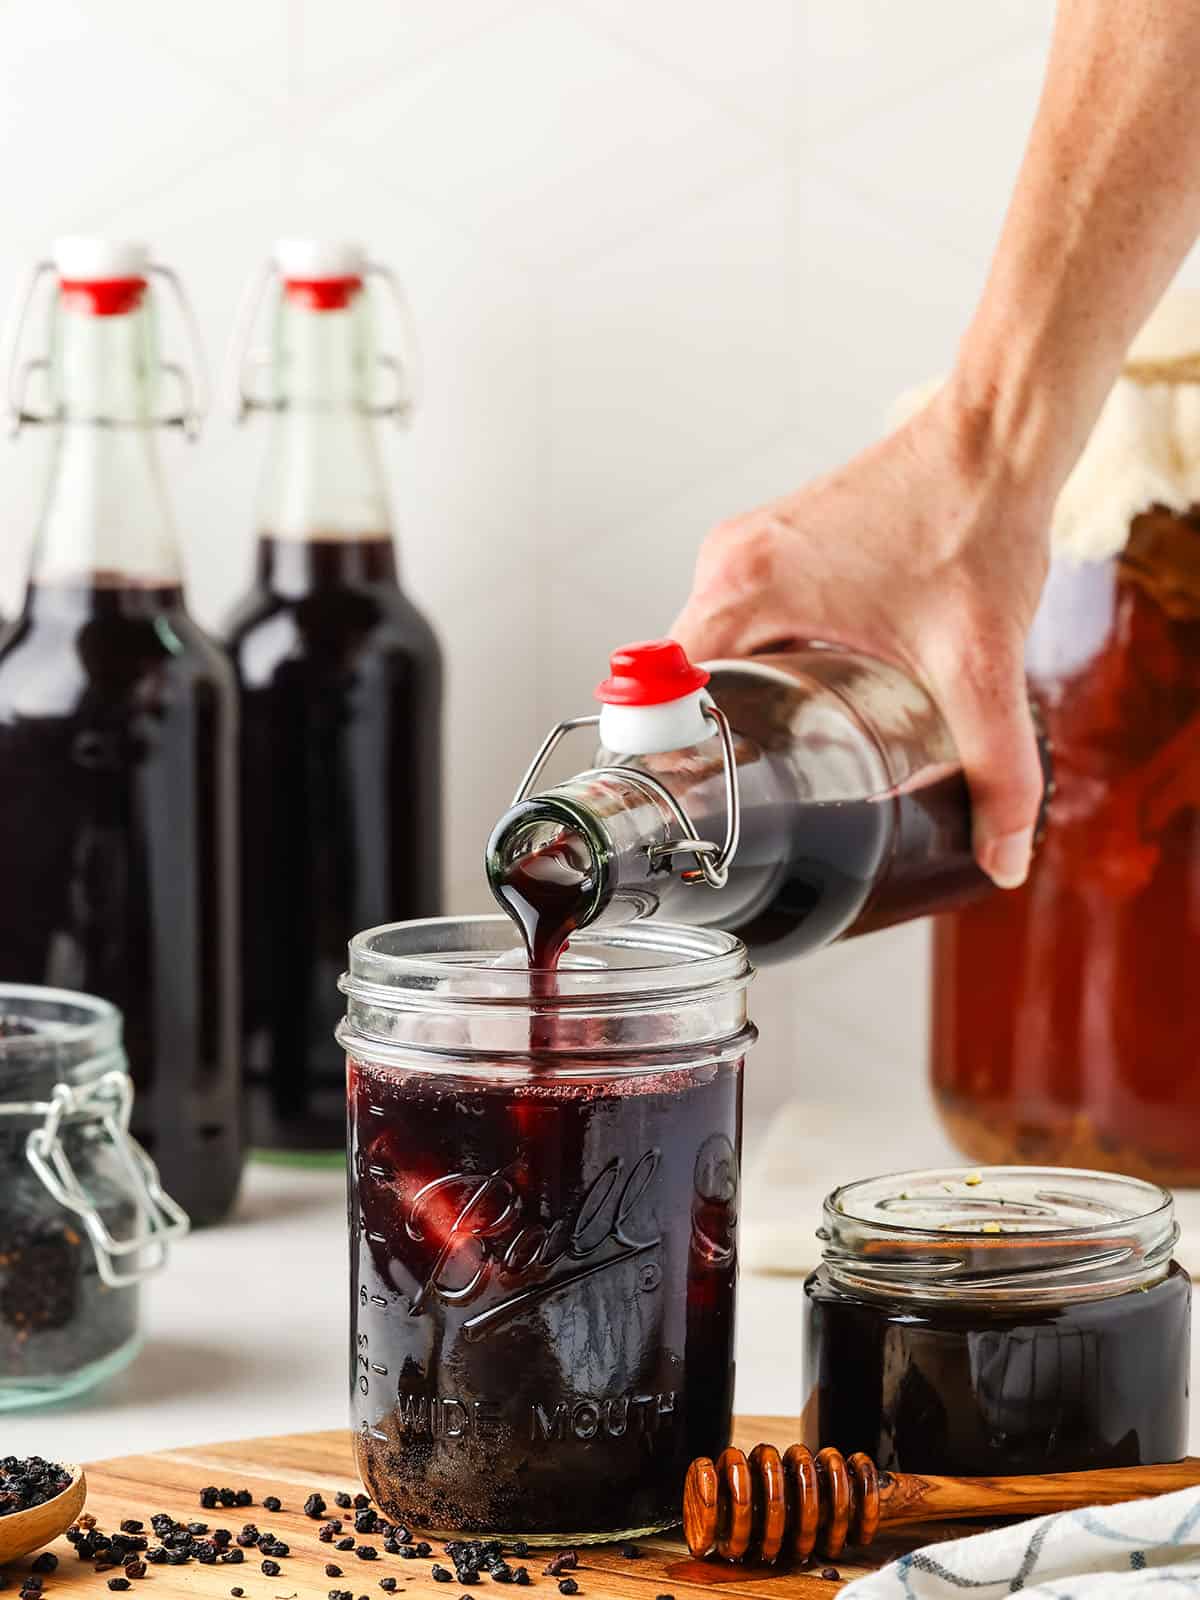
(102, 297)
(322, 294)
(652, 673)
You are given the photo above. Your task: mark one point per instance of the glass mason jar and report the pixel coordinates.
(83, 1217)
(1064, 1028)
(543, 1242)
(1005, 1321)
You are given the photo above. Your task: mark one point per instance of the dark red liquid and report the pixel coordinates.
(340, 680)
(544, 1275)
(853, 866)
(814, 872)
(117, 852)
(983, 1390)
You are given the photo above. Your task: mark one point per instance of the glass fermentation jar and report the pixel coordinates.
(83, 1217)
(543, 1242)
(1005, 1321)
(1064, 1028)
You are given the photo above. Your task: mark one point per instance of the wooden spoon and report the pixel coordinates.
(22, 1532)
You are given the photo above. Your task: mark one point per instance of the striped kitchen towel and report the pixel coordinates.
(1142, 1548)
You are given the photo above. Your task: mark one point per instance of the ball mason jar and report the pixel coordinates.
(1064, 1028)
(543, 1245)
(83, 1217)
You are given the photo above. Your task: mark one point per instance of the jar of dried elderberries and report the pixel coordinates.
(83, 1217)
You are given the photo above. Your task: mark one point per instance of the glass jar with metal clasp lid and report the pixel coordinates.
(83, 1215)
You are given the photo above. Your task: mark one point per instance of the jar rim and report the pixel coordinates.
(433, 988)
(76, 1032)
(998, 1233)
(420, 958)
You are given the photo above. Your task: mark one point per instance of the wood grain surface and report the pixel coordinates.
(291, 1466)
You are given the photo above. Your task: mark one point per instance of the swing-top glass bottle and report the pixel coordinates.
(117, 724)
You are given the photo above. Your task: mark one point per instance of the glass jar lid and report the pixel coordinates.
(998, 1233)
(62, 1069)
(460, 987)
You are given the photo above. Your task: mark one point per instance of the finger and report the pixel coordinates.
(986, 704)
(734, 592)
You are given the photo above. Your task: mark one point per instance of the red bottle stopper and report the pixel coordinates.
(101, 277)
(652, 673)
(321, 274)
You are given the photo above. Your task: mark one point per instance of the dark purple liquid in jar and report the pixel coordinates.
(544, 1274)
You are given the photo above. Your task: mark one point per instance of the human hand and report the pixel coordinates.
(929, 550)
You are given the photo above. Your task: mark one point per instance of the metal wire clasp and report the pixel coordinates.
(108, 1100)
(712, 860)
(245, 362)
(193, 383)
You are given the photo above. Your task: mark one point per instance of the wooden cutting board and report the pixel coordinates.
(291, 1466)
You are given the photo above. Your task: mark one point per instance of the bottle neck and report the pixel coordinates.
(106, 518)
(323, 481)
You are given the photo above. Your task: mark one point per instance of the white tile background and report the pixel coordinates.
(666, 258)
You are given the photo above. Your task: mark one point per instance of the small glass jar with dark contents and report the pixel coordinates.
(1007, 1320)
(83, 1218)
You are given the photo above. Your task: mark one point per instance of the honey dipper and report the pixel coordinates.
(770, 1505)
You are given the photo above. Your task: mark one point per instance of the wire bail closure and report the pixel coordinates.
(246, 362)
(712, 860)
(109, 1101)
(193, 384)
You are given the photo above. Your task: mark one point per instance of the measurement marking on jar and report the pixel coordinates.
(376, 1111)
(379, 1172)
(377, 1366)
(380, 1301)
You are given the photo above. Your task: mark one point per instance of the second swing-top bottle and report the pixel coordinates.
(340, 679)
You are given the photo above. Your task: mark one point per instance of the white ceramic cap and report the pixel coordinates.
(311, 260)
(86, 258)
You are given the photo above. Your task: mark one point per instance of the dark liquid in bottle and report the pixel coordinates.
(117, 852)
(544, 1275)
(979, 1391)
(859, 865)
(812, 872)
(340, 681)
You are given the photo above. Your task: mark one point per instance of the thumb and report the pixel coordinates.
(986, 705)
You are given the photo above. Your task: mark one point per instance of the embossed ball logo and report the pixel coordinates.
(486, 1243)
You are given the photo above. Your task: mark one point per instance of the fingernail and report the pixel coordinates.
(1006, 860)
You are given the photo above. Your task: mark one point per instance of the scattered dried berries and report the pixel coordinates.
(46, 1562)
(271, 1568)
(567, 1586)
(272, 1503)
(314, 1507)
